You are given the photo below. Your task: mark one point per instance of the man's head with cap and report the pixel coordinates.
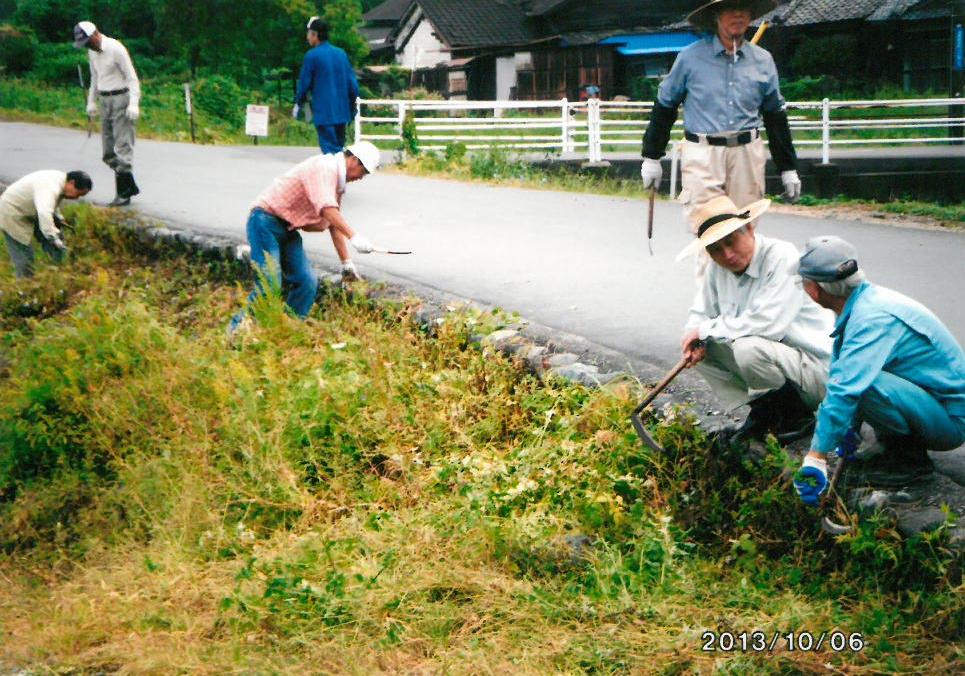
(87, 35)
(361, 158)
(829, 268)
(316, 31)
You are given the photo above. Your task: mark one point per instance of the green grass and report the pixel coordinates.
(354, 494)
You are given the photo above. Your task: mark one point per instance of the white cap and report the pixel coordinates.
(82, 33)
(367, 153)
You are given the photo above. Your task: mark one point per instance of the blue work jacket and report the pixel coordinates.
(881, 330)
(328, 76)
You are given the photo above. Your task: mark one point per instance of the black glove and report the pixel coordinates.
(779, 141)
(658, 131)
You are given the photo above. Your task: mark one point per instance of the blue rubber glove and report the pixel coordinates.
(811, 481)
(849, 445)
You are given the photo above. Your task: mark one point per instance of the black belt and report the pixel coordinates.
(114, 92)
(740, 139)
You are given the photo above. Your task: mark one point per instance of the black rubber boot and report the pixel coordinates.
(121, 199)
(904, 461)
(762, 418)
(130, 187)
(795, 419)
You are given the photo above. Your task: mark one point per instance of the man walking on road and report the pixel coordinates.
(894, 366)
(328, 76)
(308, 197)
(29, 210)
(115, 92)
(752, 332)
(727, 85)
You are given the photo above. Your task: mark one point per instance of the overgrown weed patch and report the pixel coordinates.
(350, 493)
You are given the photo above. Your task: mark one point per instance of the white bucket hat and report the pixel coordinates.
(367, 153)
(717, 218)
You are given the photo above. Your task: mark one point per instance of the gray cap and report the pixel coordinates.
(828, 259)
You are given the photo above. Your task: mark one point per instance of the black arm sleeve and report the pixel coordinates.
(779, 140)
(658, 131)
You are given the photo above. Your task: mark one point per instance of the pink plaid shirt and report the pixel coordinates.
(299, 195)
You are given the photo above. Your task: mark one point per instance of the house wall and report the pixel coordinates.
(560, 72)
(423, 49)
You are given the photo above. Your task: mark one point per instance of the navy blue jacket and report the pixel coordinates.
(328, 75)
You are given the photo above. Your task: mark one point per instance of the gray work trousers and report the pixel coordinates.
(22, 255)
(117, 132)
(743, 370)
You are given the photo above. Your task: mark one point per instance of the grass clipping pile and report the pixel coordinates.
(353, 494)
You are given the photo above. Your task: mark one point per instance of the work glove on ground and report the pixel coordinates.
(848, 449)
(91, 110)
(133, 111)
(811, 481)
(362, 244)
(792, 185)
(651, 172)
(296, 112)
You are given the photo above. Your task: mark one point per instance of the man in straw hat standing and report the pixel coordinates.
(115, 91)
(895, 366)
(728, 86)
(752, 333)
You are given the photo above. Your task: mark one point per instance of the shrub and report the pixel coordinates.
(18, 49)
(644, 88)
(57, 64)
(221, 98)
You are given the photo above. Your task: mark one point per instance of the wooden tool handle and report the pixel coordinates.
(681, 365)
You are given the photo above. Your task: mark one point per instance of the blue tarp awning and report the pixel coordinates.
(651, 43)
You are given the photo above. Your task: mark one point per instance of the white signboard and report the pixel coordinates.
(187, 97)
(256, 120)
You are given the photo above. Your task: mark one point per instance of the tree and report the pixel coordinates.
(344, 18)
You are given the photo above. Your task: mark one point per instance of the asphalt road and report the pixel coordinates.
(571, 262)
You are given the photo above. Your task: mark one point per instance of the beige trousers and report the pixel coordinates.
(117, 132)
(708, 171)
(740, 371)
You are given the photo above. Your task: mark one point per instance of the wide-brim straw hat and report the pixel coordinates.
(705, 16)
(718, 218)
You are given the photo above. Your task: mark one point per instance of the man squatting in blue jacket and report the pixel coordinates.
(328, 75)
(894, 365)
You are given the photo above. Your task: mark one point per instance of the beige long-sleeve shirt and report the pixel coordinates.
(112, 69)
(32, 200)
(765, 301)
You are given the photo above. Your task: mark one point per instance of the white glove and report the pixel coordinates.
(133, 112)
(792, 185)
(651, 172)
(57, 242)
(296, 111)
(362, 244)
(92, 110)
(349, 271)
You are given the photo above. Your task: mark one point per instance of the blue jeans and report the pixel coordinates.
(896, 407)
(331, 137)
(269, 236)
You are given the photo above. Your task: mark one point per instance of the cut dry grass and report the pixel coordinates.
(351, 494)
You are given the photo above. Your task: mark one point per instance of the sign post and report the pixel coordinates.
(256, 121)
(187, 107)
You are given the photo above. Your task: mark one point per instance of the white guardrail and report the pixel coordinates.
(589, 127)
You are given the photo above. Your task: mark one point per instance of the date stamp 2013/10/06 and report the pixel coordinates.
(791, 641)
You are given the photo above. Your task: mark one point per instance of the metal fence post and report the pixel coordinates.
(401, 117)
(825, 131)
(358, 119)
(564, 125)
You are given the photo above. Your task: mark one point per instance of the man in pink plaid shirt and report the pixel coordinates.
(307, 197)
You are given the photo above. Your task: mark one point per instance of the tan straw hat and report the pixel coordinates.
(705, 16)
(718, 218)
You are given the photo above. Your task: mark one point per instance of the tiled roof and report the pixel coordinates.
(807, 12)
(388, 11)
(479, 23)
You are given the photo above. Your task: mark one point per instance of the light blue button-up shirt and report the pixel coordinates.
(883, 330)
(721, 93)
